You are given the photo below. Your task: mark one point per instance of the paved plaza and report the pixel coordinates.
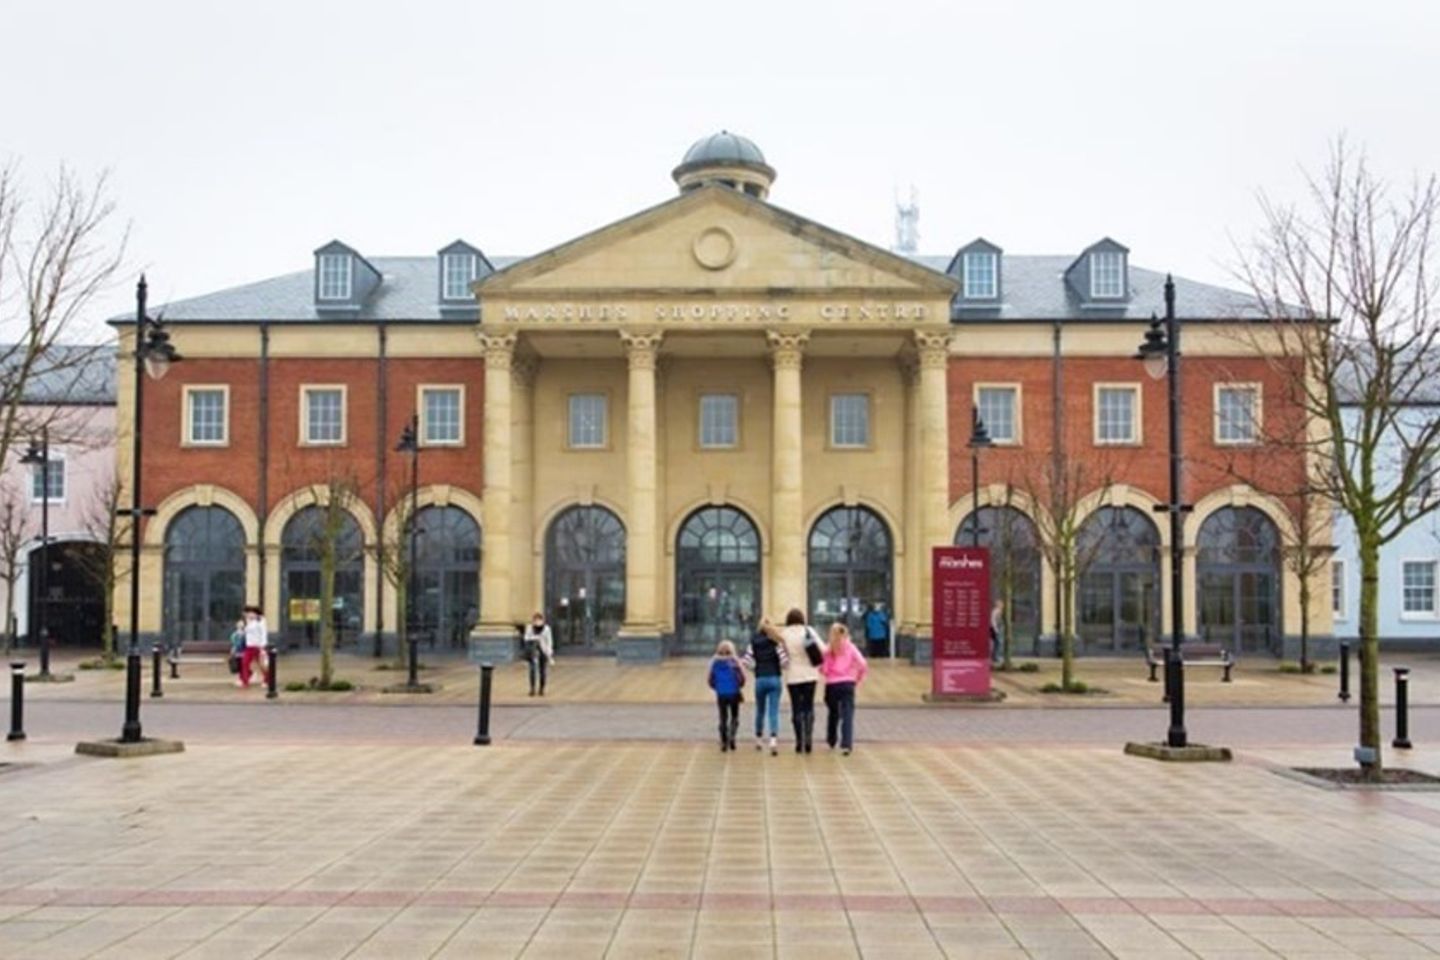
(596, 827)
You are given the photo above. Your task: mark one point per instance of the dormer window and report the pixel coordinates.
(1107, 275)
(459, 272)
(336, 272)
(981, 280)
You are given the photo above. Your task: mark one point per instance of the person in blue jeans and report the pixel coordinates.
(767, 660)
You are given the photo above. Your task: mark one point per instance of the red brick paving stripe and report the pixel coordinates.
(379, 898)
(664, 901)
(163, 898)
(880, 902)
(521, 898)
(1099, 906)
(1235, 907)
(807, 901)
(592, 898)
(1386, 908)
(1177, 906)
(1311, 908)
(453, 898)
(308, 898)
(952, 905)
(737, 901)
(91, 898)
(1026, 905)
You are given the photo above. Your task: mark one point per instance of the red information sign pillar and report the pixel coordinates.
(960, 598)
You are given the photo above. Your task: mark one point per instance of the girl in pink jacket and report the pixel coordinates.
(844, 668)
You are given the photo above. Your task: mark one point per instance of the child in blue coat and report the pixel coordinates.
(726, 679)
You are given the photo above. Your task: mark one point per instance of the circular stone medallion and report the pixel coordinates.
(715, 248)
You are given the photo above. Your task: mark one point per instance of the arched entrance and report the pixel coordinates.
(851, 556)
(204, 575)
(302, 544)
(447, 575)
(1237, 562)
(585, 577)
(1014, 546)
(1118, 554)
(74, 582)
(717, 579)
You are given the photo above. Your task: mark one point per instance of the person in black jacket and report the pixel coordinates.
(767, 660)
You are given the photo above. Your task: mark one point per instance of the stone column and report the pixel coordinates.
(787, 521)
(933, 351)
(907, 598)
(640, 633)
(494, 636)
(525, 595)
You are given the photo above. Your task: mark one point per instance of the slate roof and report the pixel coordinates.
(1032, 289)
(67, 374)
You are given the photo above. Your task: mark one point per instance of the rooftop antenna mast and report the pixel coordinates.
(907, 224)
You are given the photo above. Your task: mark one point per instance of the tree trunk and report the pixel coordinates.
(1007, 621)
(1370, 650)
(107, 628)
(327, 626)
(10, 616)
(1304, 625)
(1067, 633)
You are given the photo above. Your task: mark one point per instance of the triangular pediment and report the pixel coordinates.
(716, 239)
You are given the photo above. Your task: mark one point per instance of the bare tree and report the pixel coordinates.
(53, 265)
(332, 536)
(106, 562)
(1007, 542)
(1347, 287)
(392, 554)
(14, 534)
(1061, 485)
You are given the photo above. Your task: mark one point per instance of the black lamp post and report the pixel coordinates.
(1160, 351)
(39, 455)
(153, 356)
(979, 440)
(410, 443)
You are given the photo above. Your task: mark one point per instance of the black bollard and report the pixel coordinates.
(482, 730)
(156, 671)
(17, 700)
(1344, 672)
(270, 656)
(1402, 709)
(175, 664)
(130, 731)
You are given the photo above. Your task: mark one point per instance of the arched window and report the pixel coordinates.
(204, 575)
(1118, 555)
(447, 575)
(717, 579)
(1014, 546)
(851, 556)
(585, 577)
(1237, 562)
(303, 545)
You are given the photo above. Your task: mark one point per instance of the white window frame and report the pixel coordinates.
(734, 399)
(420, 405)
(1340, 590)
(869, 420)
(972, 289)
(448, 268)
(306, 440)
(1434, 612)
(349, 276)
(1019, 397)
(187, 426)
(1136, 437)
(38, 469)
(570, 398)
(1096, 272)
(1256, 413)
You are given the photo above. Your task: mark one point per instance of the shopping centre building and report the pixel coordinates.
(709, 411)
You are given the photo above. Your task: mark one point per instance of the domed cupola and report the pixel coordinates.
(728, 159)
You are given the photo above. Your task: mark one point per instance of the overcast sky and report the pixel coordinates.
(240, 136)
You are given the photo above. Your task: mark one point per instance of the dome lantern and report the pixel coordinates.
(727, 159)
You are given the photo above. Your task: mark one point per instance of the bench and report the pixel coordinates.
(197, 653)
(1195, 654)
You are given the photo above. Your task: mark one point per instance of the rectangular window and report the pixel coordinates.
(335, 276)
(719, 420)
(980, 279)
(1237, 412)
(1337, 588)
(587, 420)
(459, 273)
(206, 416)
(850, 420)
(1107, 274)
(47, 481)
(441, 423)
(998, 408)
(1115, 414)
(324, 412)
(1418, 586)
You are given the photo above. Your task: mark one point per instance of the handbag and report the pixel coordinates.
(812, 648)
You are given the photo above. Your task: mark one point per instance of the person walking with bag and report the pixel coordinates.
(539, 650)
(805, 651)
(257, 638)
(767, 659)
(844, 669)
(727, 679)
